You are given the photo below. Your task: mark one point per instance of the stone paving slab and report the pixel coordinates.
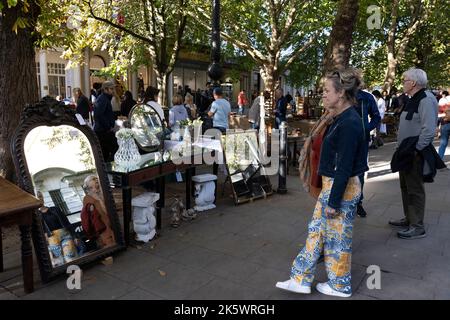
(95, 285)
(399, 287)
(236, 245)
(225, 289)
(275, 256)
(235, 269)
(196, 257)
(6, 295)
(371, 233)
(392, 258)
(133, 264)
(139, 294)
(431, 244)
(176, 282)
(437, 271)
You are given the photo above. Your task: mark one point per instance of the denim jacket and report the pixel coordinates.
(367, 107)
(343, 154)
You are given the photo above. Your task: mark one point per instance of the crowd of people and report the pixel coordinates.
(334, 158)
(333, 164)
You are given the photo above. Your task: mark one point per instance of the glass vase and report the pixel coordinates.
(128, 153)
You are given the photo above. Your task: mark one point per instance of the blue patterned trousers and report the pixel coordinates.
(333, 236)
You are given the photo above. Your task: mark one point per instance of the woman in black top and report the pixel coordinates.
(342, 160)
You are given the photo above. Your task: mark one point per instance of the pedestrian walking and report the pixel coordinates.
(342, 160)
(219, 111)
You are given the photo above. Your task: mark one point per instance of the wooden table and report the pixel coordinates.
(148, 171)
(17, 207)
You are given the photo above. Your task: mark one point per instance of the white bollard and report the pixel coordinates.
(144, 221)
(204, 191)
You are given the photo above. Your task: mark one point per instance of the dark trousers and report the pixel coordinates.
(413, 192)
(361, 179)
(108, 143)
(278, 121)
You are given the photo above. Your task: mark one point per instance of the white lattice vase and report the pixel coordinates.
(128, 153)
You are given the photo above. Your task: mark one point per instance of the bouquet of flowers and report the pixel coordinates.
(190, 123)
(125, 133)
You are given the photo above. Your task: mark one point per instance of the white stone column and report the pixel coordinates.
(43, 73)
(76, 72)
(86, 81)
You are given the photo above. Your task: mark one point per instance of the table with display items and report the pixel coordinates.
(17, 207)
(151, 168)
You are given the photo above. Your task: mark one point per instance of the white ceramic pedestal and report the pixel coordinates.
(144, 221)
(204, 191)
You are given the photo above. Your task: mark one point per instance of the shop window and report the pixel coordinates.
(56, 79)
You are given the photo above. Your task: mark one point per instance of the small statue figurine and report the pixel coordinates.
(204, 192)
(179, 212)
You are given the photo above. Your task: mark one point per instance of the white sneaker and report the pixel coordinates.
(293, 286)
(326, 289)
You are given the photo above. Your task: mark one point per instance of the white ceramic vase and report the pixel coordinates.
(128, 153)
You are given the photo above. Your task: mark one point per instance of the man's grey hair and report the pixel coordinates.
(418, 76)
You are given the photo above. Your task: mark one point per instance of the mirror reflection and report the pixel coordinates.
(147, 127)
(241, 150)
(74, 217)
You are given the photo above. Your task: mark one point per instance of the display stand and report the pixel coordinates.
(245, 172)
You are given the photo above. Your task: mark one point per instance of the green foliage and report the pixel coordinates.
(271, 32)
(427, 49)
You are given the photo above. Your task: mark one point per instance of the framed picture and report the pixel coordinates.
(245, 170)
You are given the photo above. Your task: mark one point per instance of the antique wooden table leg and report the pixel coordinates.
(27, 258)
(160, 186)
(126, 195)
(215, 172)
(294, 155)
(188, 187)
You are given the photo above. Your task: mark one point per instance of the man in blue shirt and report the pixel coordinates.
(220, 110)
(366, 107)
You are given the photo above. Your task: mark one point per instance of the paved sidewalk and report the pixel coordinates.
(240, 252)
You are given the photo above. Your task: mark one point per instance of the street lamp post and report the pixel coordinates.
(282, 171)
(215, 71)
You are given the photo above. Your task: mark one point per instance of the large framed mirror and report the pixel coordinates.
(59, 160)
(147, 127)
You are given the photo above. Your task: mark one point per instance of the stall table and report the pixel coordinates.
(147, 170)
(17, 207)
